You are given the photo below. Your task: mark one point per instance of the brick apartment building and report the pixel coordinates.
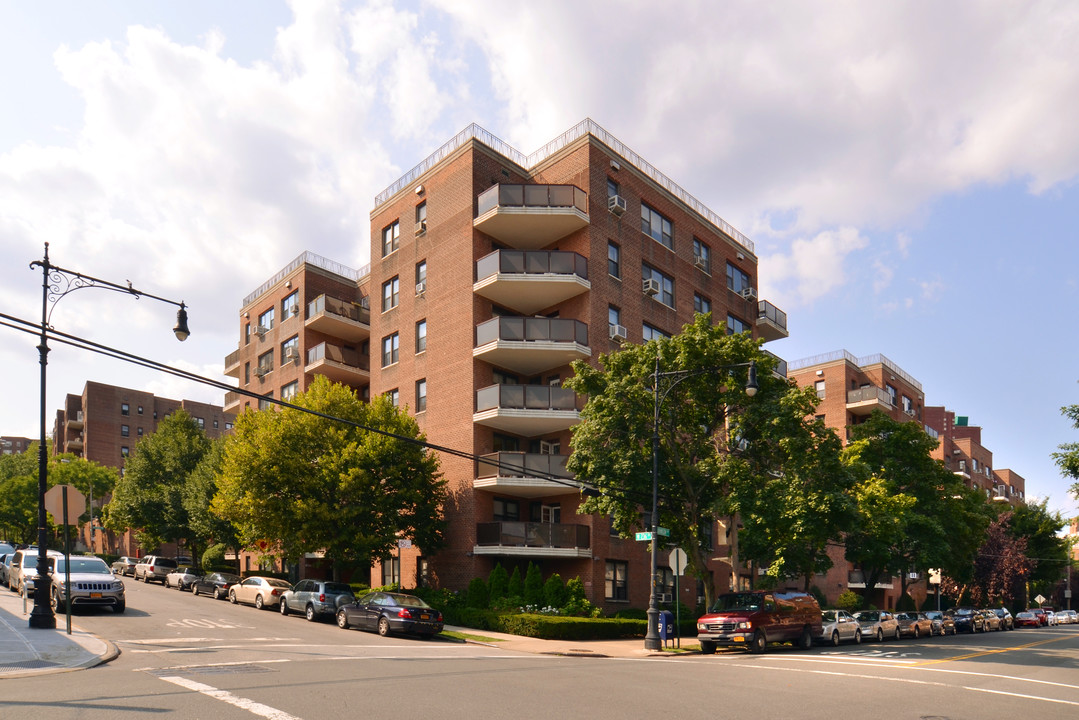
(850, 389)
(105, 423)
(11, 445)
(492, 271)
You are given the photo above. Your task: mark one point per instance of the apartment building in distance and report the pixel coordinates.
(962, 452)
(11, 445)
(104, 424)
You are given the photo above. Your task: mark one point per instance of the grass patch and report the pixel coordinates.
(464, 637)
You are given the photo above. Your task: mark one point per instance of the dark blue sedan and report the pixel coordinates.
(387, 612)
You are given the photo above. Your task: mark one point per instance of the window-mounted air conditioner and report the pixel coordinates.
(421, 287)
(651, 287)
(421, 227)
(261, 372)
(617, 205)
(749, 293)
(261, 330)
(618, 333)
(700, 262)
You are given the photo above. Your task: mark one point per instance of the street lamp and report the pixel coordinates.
(651, 638)
(56, 282)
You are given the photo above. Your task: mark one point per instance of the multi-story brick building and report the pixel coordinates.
(492, 271)
(106, 422)
(962, 452)
(11, 445)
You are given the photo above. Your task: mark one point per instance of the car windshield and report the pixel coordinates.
(964, 611)
(225, 577)
(906, 616)
(82, 565)
(934, 615)
(868, 616)
(737, 601)
(828, 615)
(274, 582)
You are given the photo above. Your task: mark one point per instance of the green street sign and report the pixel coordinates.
(663, 532)
(644, 536)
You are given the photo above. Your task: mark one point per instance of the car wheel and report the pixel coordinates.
(54, 602)
(897, 635)
(880, 635)
(309, 613)
(284, 607)
(383, 626)
(342, 619)
(217, 593)
(194, 589)
(119, 607)
(858, 636)
(232, 596)
(835, 638)
(258, 602)
(708, 648)
(758, 643)
(917, 633)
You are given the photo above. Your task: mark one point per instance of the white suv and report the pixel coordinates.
(92, 584)
(24, 569)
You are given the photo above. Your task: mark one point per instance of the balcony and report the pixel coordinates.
(75, 422)
(339, 364)
(864, 401)
(232, 364)
(527, 539)
(771, 322)
(234, 402)
(74, 444)
(855, 579)
(523, 474)
(338, 318)
(531, 345)
(529, 281)
(529, 217)
(526, 410)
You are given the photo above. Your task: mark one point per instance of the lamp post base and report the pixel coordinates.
(42, 619)
(652, 640)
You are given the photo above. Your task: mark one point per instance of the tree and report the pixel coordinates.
(197, 496)
(716, 445)
(18, 495)
(298, 483)
(1002, 566)
(148, 499)
(85, 476)
(1047, 551)
(1068, 457)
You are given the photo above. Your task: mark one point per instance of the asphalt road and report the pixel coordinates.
(187, 657)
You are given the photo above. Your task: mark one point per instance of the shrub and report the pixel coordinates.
(533, 590)
(632, 614)
(497, 583)
(849, 601)
(515, 588)
(554, 591)
(214, 556)
(906, 604)
(478, 597)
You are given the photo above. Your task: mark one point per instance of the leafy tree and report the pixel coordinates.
(718, 448)
(1068, 457)
(1002, 566)
(515, 586)
(497, 582)
(533, 585)
(18, 495)
(302, 483)
(84, 475)
(1047, 551)
(148, 499)
(198, 494)
(554, 591)
(478, 594)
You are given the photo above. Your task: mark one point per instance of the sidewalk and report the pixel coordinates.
(27, 651)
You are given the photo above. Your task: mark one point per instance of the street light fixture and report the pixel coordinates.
(56, 282)
(652, 639)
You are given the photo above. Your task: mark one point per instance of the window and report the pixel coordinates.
(139, 410)
(265, 363)
(228, 426)
(421, 277)
(505, 443)
(421, 395)
(908, 408)
(506, 510)
(615, 581)
(612, 188)
(247, 373)
(701, 304)
(391, 238)
(139, 432)
(614, 267)
(215, 425)
(390, 347)
(702, 256)
(891, 394)
(394, 397)
(657, 226)
(421, 218)
(819, 387)
(125, 431)
(289, 391)
(125, 409)
(201, 422)
(735, 326)
(290, 306)
(666, 284)
(266, 319)
(500, 377)
(247, 333)
(614, 316)
(264, 402)
(665, 580)
(707, 535)
(391, 571)
(391, 290)
(124, 451)
(653, 333)
(737, 281)
(421, 336)
(290, 350)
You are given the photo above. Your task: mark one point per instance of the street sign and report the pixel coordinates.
(678, 559)
(54, 504)
(1040, 599)
(404, 543)
(644, 536)
(663, 532)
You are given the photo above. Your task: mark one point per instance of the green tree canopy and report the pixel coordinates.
(297, 483)
(1068, 457)
(198, 494)
(1048, 551)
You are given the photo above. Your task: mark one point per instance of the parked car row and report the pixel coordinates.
(840, 626)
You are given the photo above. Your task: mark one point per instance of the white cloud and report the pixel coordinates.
(812, 269)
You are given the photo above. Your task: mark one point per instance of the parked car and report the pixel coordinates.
(1050, 617)
(5, 563)
(387, 612)
(943, 624)
(751, 620)
(125, 566)
(216, 584)
(1007, 622)
(316, 598)
(262, 592)
(1027, 619)
(839, 626)
(914, 624)
(154, 568)
(87, 581)
(24, 569)
(877, 624)
(1067, 617)
(1039, 613)
(990, 620)
(967, 620)
(182, 577)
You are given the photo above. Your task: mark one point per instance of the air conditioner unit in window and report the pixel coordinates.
(618, 333)
(421, 287)
(261, 330)
(700, 262)
(749, 293)
(294, 310)
(292, 355)
(617, 205)
(666, 597)
(421, 227)
(261, 372)
(651, 287)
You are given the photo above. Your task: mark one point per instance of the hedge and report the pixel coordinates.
(547, 627)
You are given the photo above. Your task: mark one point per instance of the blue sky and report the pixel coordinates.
(907, 173)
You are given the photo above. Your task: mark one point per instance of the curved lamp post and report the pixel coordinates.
(652, 639)
(56, 282)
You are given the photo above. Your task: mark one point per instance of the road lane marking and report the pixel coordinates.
(175, 668)
(235, 700)
(995, 651)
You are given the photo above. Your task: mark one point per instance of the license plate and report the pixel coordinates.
(95, 595)
(424, 616)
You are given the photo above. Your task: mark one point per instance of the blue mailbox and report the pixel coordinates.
(666, 625)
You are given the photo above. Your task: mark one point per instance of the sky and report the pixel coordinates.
(907, 171)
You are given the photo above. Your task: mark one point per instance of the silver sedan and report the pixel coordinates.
(839, 626)
(877, 624)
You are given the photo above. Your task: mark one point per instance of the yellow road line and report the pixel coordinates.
(992, 652)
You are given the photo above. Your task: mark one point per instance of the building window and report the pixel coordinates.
(506, 510)
(247, 373)
(290, 350)
(612, 188)
(289, 391)
(652, 333)
(138, 432)
(702, 256)
(657, 226)
(215, 425)
(735, 326)
(891, 394)
(819, 387)
(391, 238)
(505, 443)
(421, 336)
(391, 290)
(666, 284)
(265, 363)
(228, 426)
(266, 320)
(125, 431)
(125, 409)
(390, 347)
(264, 402)
(391, 571)
(737, 281)
(201, 422)
(139, 410)
(421, 218)
(124, 451)
(615, 581)
(701, 304)
(290, 306)
(614, 315)
(247, 333)
(394, 397)
(908, 408)
(614, 266)
(421, 395)
(421, 277)
(708, 541)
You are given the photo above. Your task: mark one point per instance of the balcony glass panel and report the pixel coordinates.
(526, 534)
(532, 330)
(768, 311)
(520, 464)
(525, 397)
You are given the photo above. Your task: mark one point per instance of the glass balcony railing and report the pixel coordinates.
(532, 196)
(525, 397)
(768, 311)
(341, 308)
(531, 262)
(870, 393)
(523, 465)
(339, 355)
(529, 534)
(522, 329)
